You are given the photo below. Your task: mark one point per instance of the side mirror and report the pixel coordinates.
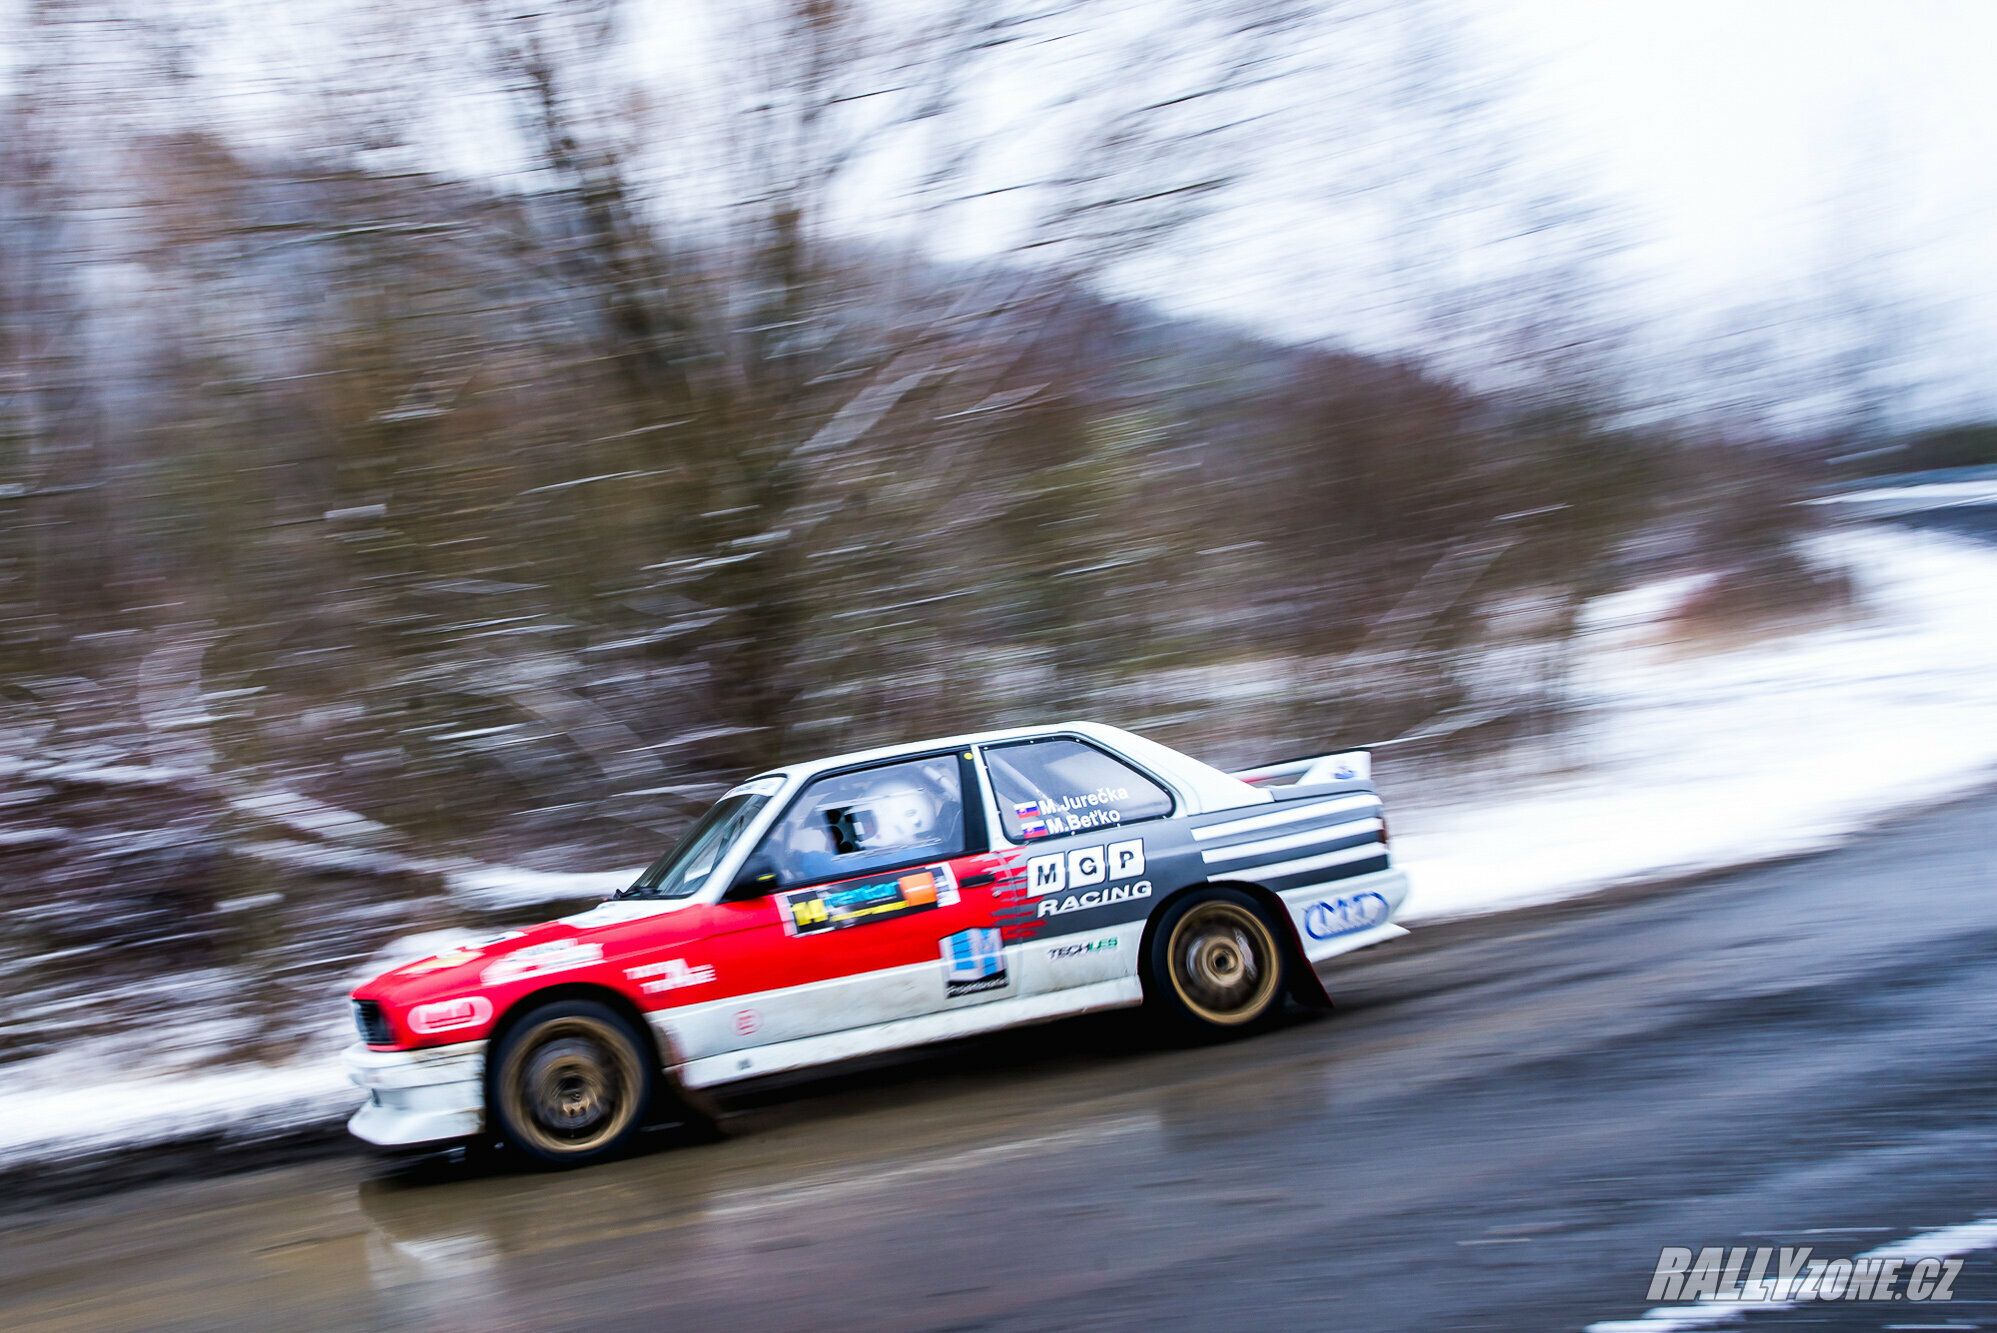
(757, 878)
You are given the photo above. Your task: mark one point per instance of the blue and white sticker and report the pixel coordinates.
(973, 961)
(1341, 916)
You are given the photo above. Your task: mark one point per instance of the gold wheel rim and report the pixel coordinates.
(571, 1085)
(1223, 963)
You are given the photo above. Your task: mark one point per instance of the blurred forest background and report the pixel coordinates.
(450, 435)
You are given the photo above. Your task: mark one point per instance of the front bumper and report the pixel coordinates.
(433, 1095)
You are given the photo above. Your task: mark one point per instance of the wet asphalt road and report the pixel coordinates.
(1500, 1127)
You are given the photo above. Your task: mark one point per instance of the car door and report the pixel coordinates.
(1097, 847)
(880, 908)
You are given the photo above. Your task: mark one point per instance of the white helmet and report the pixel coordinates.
(903, 813)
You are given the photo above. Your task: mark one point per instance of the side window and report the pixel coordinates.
(1053, 787)
(878, 818)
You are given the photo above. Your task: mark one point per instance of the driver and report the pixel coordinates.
(807, 852)
(905, 815)
(821, 841)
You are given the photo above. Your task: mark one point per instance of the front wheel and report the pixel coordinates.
(1216, 964)
(571, 1083)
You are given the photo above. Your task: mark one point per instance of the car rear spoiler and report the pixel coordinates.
(1344, 766)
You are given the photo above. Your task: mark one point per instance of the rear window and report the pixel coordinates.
(1055, 787)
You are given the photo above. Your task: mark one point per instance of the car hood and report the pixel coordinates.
(602, 933)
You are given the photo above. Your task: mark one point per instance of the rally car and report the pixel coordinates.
(882, 900)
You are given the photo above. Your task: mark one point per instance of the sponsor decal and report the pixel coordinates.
(672, 974)
(973, 962)
(456, 954)
(1074, 814)
(1344, 773)
(1126, 859)
(1084, 866)
(1341, 916)
(1102, 945)
(450, 1015)
(438, 962)
(748, 1022)
(862, 901)
(536, 959)
(1087, 865)
(1789, 1275)
(1059, 904)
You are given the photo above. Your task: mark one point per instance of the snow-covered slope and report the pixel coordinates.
(1689, 759)
(1694, 760)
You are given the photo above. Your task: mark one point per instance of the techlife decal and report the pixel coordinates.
(858, 902)
(1084, 866)
(973, 961)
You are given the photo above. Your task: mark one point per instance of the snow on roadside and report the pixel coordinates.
(1697, 760)
(1925, 497)
(64, 1106)
(1693, 760)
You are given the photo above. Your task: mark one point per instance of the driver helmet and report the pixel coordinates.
(903, 813)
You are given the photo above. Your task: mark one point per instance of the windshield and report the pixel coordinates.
(681, 871)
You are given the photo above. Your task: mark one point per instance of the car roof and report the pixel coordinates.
(1205, 787)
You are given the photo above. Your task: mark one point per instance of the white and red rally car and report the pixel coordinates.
(882, 900)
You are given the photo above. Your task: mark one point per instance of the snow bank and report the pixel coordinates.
(63, 1106)
(75, 1102)
(1697, 760)
(1887, 501)
(1690, 761)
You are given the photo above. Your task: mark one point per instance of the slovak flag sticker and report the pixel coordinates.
(1033, 828)
(1027, 809)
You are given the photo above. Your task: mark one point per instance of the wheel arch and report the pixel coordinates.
(1304, 984)
(664, 1059)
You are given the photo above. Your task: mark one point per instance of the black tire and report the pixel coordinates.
(1216, 963)
(570, 1083)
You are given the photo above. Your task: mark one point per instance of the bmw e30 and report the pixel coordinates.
(882, 900)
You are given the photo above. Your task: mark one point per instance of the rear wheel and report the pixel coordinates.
(1216, 964)
(571, 1083)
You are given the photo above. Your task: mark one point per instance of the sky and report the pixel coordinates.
(1753, 142)
(1747, 148)
(1755, 164)
(1733, 125)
